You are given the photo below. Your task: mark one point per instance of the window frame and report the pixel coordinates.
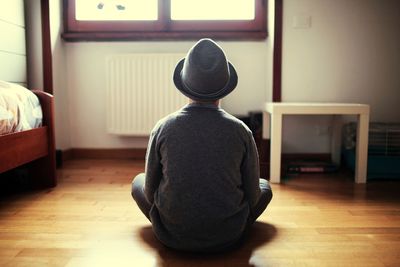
(164, 28)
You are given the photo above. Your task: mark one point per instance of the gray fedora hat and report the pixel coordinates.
(205, 73)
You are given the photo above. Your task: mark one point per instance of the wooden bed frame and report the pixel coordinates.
(33, 148)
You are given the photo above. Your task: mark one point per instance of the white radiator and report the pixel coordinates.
(140, 91)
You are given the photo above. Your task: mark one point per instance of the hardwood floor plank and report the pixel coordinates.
(89, 219)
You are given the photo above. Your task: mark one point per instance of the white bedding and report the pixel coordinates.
(19, 109)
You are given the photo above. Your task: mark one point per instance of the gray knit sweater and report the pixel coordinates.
(202, 177)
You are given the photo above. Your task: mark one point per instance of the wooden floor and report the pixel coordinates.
(90, 220)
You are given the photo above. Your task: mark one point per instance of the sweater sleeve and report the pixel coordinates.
(251, 173)
(153, 168)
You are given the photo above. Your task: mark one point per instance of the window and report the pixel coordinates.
(92, 10)
(212, 10)
(164, 19)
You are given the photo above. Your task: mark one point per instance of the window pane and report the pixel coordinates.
(212, 9)
(116, 9)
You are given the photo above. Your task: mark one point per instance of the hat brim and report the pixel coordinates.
(229, 86)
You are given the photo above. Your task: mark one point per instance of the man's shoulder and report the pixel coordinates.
(165, 121)
(236, 122)
(182, 116)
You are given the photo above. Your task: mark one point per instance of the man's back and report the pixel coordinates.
(201, 188)
(201, 200)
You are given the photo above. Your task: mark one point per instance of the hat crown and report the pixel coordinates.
(205, 70)
(205, 73)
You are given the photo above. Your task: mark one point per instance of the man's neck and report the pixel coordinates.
(216, 102)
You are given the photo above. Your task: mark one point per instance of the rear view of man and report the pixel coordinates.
(201, 188)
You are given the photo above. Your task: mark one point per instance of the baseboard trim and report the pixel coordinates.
(104, 153)
(66, 154)
(140, 153)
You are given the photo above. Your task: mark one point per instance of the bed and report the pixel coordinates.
(34, 149)
(28, 150)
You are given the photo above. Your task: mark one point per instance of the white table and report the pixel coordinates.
(272, 129)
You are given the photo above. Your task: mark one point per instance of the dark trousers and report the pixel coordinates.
(145, 206)
(266, 196)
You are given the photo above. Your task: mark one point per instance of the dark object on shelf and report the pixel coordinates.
(245, 119)
(263, 146)
(254, 122)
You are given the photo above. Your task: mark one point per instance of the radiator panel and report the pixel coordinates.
(140, 91)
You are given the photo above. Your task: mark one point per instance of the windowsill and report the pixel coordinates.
(161, 36)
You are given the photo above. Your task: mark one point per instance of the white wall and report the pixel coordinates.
(35, 63)
(87, 85)
(60, 81)
(85, 123)
(351, 53)
(12, 45)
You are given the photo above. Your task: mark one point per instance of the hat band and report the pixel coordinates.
(204, 95)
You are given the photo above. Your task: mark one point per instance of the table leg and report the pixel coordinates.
(276, 146)
(362, 149)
